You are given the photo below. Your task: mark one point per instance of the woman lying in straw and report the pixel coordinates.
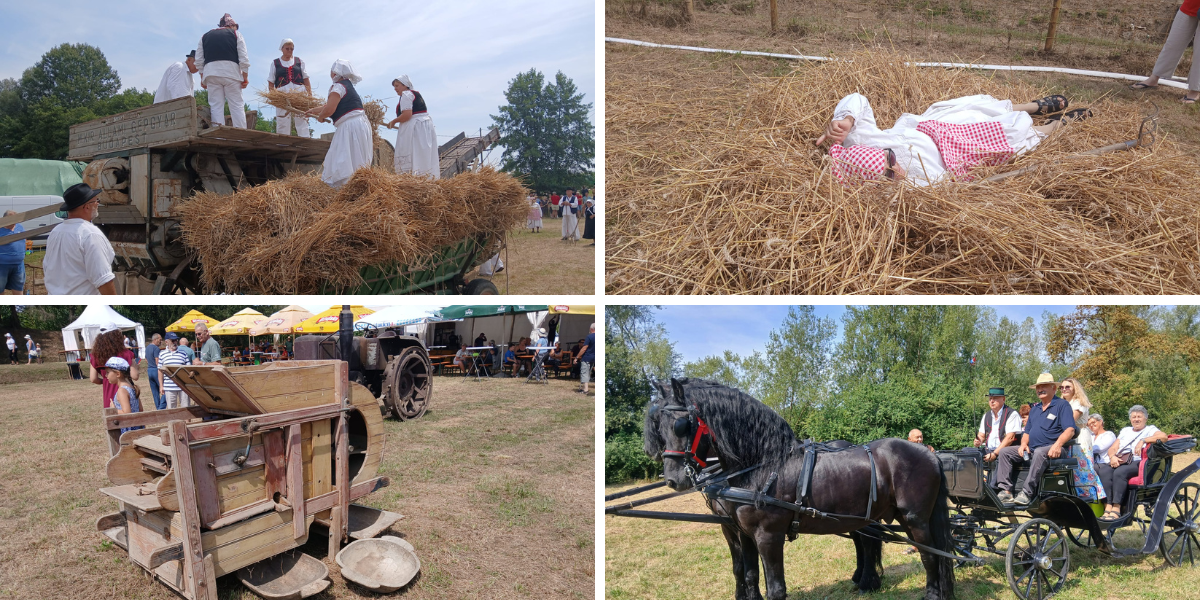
(947, 141)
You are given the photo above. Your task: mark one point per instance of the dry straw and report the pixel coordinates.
(375, 111)
(703, 201)
(297, 102)
(293, 235)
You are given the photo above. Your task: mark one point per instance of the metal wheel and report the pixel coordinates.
(962, 531)
(481, 287)
(1081, 537)
(409, 385)
(1038, 560)
(1180, 543)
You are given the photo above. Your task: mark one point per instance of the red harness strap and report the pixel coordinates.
(701, 431)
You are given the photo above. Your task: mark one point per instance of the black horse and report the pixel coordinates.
(744, 432)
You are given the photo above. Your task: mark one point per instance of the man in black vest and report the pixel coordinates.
(224, 68)
(999, 427)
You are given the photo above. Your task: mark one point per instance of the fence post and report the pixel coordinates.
(689, 10)
(774, 15)
(1053, 25)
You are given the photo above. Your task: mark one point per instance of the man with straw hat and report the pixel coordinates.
(416, 139)
(177, 80)
(288, 75)
(946, 142)
(1051, 426)
(353, 145)
(224, 68)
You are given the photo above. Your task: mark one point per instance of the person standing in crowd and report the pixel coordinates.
(416, 139)
(554, 201)
(570, 215)
(12, 259)
(587, 358)
(12, 348)
(224, 67)
(78, 257)
(38, 349)
(1184, 29)
(534, 220)
(108, 343)
(288, 75)
(186, 347)
(210, 350)
(30, 349)
(126, 399)
(352, 146)
(168, 360)
(153, 349)
(177, 80)
(589, 215)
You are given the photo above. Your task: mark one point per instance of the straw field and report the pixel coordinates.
(720, 190)
(292, 235)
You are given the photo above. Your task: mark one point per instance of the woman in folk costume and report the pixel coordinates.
(947, 141)
(289, 75)
(534, 220)
(352, 146)
(416, 140)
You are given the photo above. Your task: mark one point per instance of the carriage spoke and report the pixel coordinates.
(1039, 585)
(1051, 548)
(1029, 584)
(1175, 543)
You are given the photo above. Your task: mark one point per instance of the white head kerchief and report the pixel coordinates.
(285, 42)
(344, 70)
(406, 81)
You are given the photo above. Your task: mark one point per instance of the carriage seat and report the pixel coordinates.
(1155, 462)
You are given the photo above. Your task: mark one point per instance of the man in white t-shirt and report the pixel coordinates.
(999, 426)
(78, 256)
(177, 80)
(168, 360)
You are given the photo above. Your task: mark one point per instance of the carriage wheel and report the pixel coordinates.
(963, 533)
(1081, 537)
(1181, 534)
(1038, 560)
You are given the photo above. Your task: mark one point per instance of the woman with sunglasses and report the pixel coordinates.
(1072, 391)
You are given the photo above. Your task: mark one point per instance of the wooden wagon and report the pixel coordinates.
(265, 452)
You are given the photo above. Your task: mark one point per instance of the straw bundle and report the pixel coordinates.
(376, 113)
(297, 102)
(290, 236)
(743, 202)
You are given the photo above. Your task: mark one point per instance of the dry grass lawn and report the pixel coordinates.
(496, 481)
(690, 561)
(542, 263)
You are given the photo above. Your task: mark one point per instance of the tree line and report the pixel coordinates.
(154, 319)
(894, 368)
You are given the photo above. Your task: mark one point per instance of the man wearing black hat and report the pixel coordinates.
(999, 427)
(177, 81)
(78, 256)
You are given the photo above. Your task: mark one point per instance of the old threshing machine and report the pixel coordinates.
(149, 159)
(266, 452)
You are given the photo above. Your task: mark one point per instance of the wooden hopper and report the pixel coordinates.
(240, 476)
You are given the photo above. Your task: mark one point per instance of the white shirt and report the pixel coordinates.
(1011, 425)
(78, 259)
(1100, 446)
(12, 344)
(176, 83)
(340, 90)
(1128, 438)
(287, 63)
(224, 68)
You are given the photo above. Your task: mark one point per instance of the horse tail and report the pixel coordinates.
(940, 527)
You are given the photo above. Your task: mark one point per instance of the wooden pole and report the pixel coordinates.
(689, 10)
(1053, 26)
(774, 15)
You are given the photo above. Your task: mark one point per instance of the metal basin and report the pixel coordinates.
(383, 564)
(291, 575)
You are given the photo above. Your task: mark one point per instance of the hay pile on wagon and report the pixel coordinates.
(705, 201)
(294, 235)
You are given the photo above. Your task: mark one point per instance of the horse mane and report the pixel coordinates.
(747, 432)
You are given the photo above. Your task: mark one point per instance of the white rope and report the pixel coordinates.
(1106, 74)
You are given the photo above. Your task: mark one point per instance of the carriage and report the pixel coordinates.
(1160, 504)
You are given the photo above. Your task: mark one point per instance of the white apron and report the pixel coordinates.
(417, 147)
(352, 147)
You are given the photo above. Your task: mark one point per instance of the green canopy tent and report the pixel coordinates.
(34, 177)
(474, 311)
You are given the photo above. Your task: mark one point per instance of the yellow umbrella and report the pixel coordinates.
(572, 309)
(240, 323)
(284, 321)
(189, 322)
(327, 321)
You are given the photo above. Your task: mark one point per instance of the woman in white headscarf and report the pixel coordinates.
(416, 140)
(289, 75)
(352, 146)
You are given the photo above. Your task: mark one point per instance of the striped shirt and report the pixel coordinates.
(171, 359)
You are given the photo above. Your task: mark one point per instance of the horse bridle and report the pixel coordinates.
(691, 426)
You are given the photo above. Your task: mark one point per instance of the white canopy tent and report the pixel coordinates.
(80, 334)
(571, 327)
(395, 316)
(503, 329)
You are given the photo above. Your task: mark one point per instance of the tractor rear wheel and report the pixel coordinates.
(409, 384)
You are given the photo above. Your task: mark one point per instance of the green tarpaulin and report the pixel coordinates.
(488, 310)
(33, 177)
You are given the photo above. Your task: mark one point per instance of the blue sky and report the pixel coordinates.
(460, 55)
(700, 331)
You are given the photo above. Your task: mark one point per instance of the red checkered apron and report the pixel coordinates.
(857, 163)
(965, 147)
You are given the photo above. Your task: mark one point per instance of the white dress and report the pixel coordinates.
(416, 143)
(916, 151)
(352, 146)
(570, 222)
(1083, 435)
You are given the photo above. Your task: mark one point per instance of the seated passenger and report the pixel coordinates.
(1024, 416)
(915, 436)
(999, 426)
(1101, 438)
(1072, 392)
(1051, 425)
(1121, 460)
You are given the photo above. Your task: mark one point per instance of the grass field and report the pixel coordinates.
(542, 263)
(496, 483)
(671, 560)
